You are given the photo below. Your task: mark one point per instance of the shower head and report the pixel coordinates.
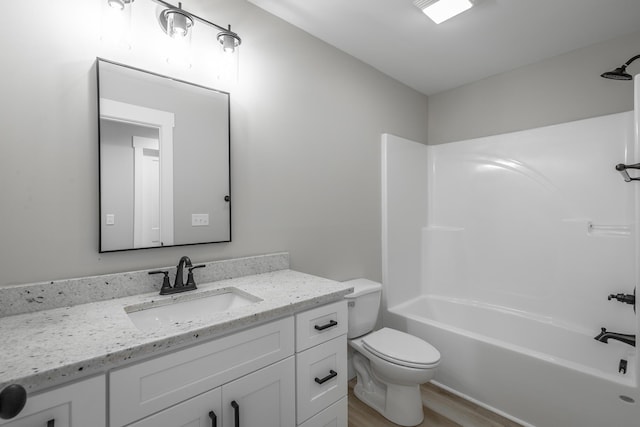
(620, 73)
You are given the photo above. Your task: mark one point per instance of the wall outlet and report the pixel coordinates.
(199, 220)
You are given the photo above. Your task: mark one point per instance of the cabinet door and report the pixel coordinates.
(79, 404)
(265, 398)
(200, 411)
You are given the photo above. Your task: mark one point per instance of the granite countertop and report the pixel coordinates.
(47, 348)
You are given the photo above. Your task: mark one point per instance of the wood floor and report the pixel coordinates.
(441, 409)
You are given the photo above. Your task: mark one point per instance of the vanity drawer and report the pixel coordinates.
(139, 390)
(193, 412)
(321, 377)
(320, 324)
(335, 415)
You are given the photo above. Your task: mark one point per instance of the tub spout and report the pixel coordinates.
(604, 337)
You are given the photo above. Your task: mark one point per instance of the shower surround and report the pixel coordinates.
(501, 252)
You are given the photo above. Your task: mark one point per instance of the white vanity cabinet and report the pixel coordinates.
(280, 374)
(186, 385)
(262, 398)
(321, 366)
(285, 373)
(78, 404)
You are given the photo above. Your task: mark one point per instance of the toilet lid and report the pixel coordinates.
(401, 348)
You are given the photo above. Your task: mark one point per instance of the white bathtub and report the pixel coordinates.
(532, 370)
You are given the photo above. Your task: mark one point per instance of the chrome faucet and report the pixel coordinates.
(605, 336)
(178, 284)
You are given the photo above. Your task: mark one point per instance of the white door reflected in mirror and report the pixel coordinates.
(147, 231)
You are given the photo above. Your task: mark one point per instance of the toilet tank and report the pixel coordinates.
(363, 305)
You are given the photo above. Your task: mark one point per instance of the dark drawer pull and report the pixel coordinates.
(331, 324)
(214, 419)
(332, 374)
(236, 413)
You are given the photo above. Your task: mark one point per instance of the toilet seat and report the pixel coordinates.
(401, 348)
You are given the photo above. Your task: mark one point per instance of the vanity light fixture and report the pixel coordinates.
(176, 22)
(441, 10)
(620, 73)
(116, 24)
(119, 4)
(229, 40)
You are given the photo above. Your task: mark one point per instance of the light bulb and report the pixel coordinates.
(178, 23)
(116, 4)
(229, 41)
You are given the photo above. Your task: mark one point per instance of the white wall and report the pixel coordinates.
(306, 121)
(405, 186)
(538, 221)
(535, 222)
(561, 89)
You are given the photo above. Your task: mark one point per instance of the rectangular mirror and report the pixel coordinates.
(164, 160)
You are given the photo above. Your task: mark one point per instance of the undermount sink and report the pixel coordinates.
(187, 308)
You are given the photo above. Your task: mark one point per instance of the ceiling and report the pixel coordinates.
(494, 36)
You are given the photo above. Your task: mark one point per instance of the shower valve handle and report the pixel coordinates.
(625, 298)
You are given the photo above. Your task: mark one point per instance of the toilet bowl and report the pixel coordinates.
(390, 365)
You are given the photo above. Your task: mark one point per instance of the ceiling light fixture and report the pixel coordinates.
(441, 10)
(620, 73)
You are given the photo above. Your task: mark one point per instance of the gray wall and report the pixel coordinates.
(561, 89)
(306, 125)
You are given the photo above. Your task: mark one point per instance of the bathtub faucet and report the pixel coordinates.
(604, 337)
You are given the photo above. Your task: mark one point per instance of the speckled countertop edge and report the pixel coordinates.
(51, 347)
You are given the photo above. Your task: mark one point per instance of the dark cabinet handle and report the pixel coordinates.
(331, 324)
(51, 423)
(12, 400)
(214, 419)
(332, 374)
(227, 198)
(236, 413)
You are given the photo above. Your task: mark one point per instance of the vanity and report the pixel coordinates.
(273, 353)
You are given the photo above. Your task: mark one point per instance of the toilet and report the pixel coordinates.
(390, 365)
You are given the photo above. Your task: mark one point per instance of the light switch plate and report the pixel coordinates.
(199, 220)
(111, 219)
